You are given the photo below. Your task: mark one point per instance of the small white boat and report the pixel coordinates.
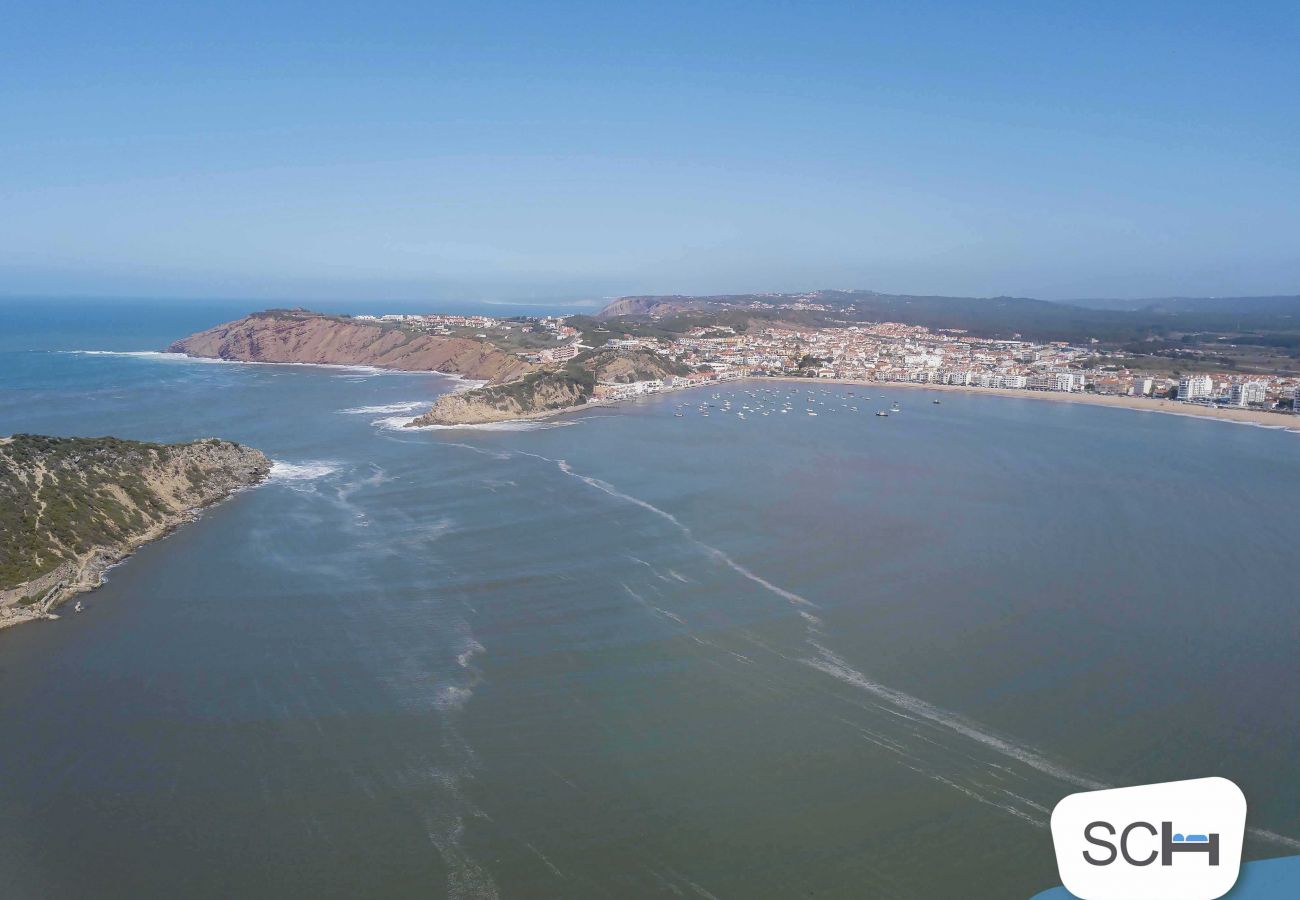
(78, 607)
(881, 413)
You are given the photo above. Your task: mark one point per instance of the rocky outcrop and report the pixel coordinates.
(540, 393)
(72, 507)
(299, 336)
(648, 306)
(547, 393)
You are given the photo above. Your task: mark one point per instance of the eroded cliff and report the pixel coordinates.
(71, 507)
(548, 392)
(299, 336)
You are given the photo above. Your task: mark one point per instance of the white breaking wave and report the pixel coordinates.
(1191, 415)
(515, 425)
(465, 384)
(145, 354)
(409, 406)
(307, 471)
(395, 423)
(207, 360)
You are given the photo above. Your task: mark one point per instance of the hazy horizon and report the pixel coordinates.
(580, 151)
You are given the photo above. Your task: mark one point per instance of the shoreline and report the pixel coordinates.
(551, 413)
(525, 417)
(349, 367)
(87, 574)
(1264, 418)
(1261, 418)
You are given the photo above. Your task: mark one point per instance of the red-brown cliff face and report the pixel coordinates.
(298, 336)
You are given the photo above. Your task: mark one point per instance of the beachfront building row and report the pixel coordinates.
(1195, 387)
(1248, 393)
(626, 390)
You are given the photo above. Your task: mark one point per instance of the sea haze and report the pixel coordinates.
(630, 653)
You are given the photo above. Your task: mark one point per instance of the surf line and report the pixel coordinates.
(828, 663)
(677, 523)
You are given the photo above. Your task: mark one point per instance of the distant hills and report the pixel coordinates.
(1269, 321)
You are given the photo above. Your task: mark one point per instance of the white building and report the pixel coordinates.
(1142, 387)
(1069, 381)
(1246, 393)
(1195, 387)
(560, 354)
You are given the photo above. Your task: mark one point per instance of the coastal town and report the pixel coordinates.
(887, 352)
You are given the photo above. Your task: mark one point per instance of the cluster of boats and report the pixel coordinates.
(765, 402)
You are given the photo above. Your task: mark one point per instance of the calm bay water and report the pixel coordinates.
(632, 654)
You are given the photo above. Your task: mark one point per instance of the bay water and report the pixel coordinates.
(627, 653)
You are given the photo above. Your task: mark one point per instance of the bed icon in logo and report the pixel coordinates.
(1122, 843)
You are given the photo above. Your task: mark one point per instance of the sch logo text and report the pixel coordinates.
(1175, 841)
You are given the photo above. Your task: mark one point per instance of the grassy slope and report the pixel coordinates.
(61, 497)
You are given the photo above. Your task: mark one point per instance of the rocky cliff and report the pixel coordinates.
(537, 393)
(71, 507)
(548, 392)
(649, 306)
(299, 336)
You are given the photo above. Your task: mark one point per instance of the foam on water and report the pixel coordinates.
(712, 551)
(398, 422)
(466, 656)
(1290, 429)
(145, 354)
(452, 697)
(951, 768)
(282, 471)
(828, 662)
(408, 406)
(164, 356)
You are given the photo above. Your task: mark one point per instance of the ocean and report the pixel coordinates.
(625, 653)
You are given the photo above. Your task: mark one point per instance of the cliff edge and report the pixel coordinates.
(71, 507)
(300, 336)
(548, 392)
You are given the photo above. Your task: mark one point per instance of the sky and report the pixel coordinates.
(566, 152)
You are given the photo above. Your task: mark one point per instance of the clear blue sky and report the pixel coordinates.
(578, 150)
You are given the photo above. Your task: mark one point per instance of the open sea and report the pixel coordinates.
(629, 654)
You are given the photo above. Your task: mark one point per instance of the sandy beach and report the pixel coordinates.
(1145, 404)
(1259, 417)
